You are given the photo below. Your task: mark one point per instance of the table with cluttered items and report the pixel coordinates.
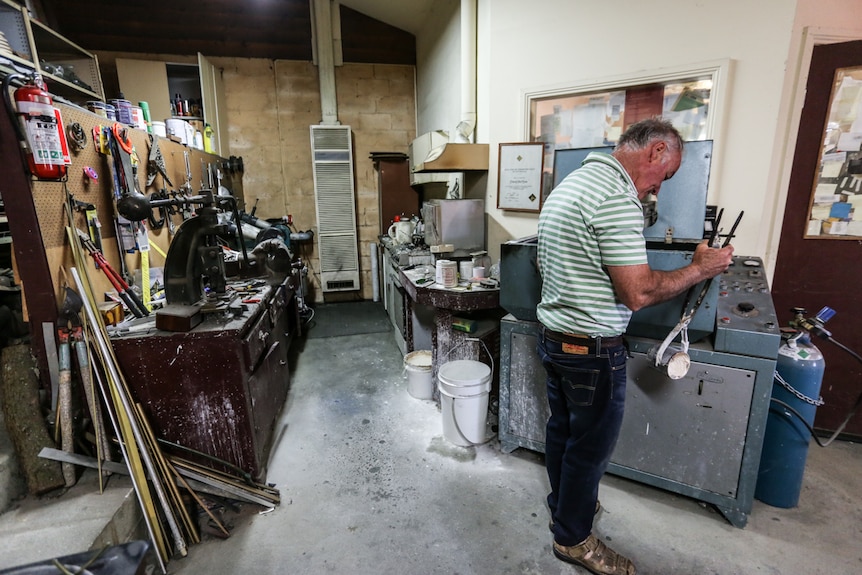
(466, 315)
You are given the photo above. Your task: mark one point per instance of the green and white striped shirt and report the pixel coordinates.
(591, 220)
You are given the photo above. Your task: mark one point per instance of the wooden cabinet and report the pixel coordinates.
(157, 82)
(69, 70)
(219, 388)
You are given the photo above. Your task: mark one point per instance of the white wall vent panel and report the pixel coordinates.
(337, 244)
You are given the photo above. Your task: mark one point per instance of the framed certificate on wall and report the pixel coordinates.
(519, 176)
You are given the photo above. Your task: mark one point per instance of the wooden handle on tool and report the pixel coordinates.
(64, 408)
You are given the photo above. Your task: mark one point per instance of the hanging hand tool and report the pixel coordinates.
(71, 314)
(187, 186)
(64, 404)
(156, 163)
(67, 317)
(103, 444)
(131, 204)
(93, 225)
(128, 296)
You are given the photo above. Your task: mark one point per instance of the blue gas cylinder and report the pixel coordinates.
(799, 373)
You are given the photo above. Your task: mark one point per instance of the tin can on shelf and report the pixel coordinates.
(98, 108)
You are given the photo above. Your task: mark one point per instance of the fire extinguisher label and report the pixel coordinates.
(44, 138)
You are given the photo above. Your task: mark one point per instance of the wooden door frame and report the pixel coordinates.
(784, 146)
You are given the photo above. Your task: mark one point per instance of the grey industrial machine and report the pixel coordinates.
(700, 435)
(459, 223)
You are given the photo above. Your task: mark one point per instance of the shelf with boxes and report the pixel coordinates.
(69, 71)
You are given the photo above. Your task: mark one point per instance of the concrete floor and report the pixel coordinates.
(369, 485)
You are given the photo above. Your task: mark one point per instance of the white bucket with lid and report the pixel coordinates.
(464, 386)
(420, 382)
(159, 128)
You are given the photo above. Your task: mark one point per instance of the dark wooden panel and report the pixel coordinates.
(813, 273)
(368, 40)
(396, 196)
(27, 236)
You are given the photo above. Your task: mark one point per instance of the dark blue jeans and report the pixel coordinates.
(586, 394)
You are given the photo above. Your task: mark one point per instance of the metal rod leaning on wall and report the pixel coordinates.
(130, 423)
(103, 447)
(149, 513)
(167, 474)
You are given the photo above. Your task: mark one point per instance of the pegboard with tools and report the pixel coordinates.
(91, 184)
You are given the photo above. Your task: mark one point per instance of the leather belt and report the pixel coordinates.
(585, 341)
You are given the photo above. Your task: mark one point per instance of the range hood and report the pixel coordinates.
(433, 158)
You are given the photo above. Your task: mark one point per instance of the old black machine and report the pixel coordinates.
(695, 418)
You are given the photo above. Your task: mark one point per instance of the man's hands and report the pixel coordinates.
(640, 286)
(711, 261)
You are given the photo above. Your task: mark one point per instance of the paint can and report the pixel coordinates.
(446, 273)
(97, 108)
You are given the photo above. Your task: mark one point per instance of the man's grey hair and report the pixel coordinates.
(641, 134)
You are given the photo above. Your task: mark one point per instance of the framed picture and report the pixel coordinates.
(594, 113)
(519, 177)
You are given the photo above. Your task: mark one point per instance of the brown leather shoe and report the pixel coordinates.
(597, 557)
(598, 508)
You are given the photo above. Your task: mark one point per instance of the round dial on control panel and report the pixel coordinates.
(751, 263)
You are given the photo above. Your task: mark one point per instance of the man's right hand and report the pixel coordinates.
(640, 286)
(711, 261)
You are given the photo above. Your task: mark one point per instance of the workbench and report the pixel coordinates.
(218, 388)
(469, 300)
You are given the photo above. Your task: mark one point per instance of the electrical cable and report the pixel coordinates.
(809, 427)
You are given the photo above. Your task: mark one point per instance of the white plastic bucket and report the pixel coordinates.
(420, 382)
(159, 128)
(464, 387)
(176, 128)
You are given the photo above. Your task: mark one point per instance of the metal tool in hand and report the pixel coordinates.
(676, 361)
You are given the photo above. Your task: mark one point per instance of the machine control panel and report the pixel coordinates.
(746, 322)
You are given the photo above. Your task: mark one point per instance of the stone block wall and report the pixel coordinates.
(270, 108)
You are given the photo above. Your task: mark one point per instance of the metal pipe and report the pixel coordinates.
(375, 273)
(107, 353)
(137, 487)
(464, 132)
(305, 236)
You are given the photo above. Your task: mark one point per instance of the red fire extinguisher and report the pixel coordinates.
(42, 129)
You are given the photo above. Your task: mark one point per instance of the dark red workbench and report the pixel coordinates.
(218, 388)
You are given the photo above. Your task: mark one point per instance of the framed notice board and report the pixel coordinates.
(519, 176)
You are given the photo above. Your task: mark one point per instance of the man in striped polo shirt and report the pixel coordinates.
(593, 262)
